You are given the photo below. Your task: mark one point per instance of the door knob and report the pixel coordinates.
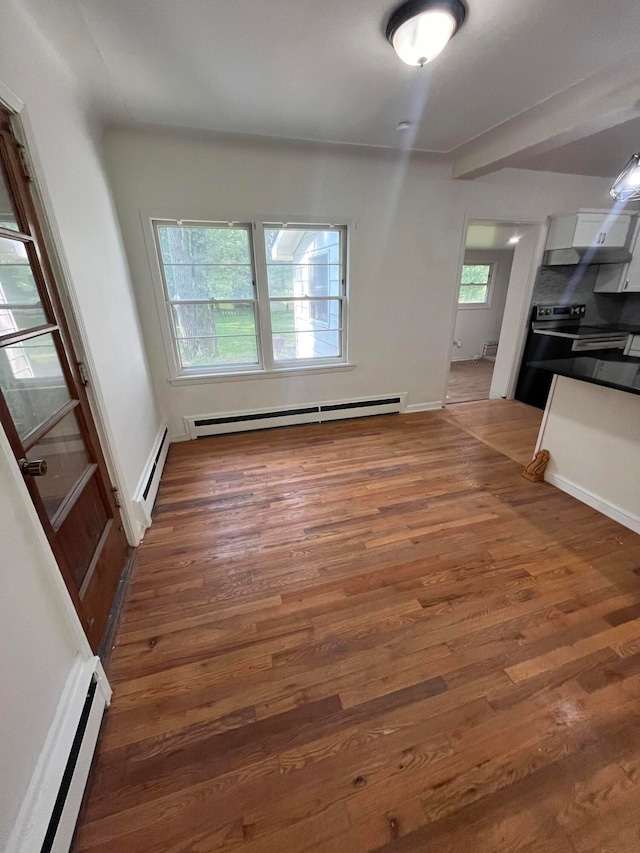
(37, 468)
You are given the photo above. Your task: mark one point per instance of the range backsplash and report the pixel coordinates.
(631, 309)
(571, 284)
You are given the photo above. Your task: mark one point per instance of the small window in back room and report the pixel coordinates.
(475, 285)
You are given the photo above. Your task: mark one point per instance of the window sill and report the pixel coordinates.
(206, 378)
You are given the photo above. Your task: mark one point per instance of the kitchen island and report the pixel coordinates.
(591, 428)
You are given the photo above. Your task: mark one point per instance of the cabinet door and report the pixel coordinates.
(631, 282)
(588, 231)
(615, 232)
(594, 229)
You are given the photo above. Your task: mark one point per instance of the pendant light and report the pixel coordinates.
(626, 186)
(419, 30)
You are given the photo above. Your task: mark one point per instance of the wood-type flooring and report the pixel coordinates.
(371, 635)
(507, 426)
(470, 380)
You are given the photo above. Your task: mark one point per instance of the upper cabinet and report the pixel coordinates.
(587, 229)
(621, 278)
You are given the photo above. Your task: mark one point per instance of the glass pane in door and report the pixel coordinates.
(64, 451)
(7, 214)
(32, 382)
(20, 305)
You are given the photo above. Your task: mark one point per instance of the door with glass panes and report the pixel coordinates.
(44, 409)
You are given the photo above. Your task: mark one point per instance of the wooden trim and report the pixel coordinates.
(27, 334)
(67, 505)
(11, 234)
(32, 439)
(107, 643)
(96, 556)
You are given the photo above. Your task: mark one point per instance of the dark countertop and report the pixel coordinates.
(612, 371)
(612, 327)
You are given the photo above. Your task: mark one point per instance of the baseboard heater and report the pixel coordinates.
(147, 487)
(201, 426)
(145, 494)
(54, 840)
(47, 817)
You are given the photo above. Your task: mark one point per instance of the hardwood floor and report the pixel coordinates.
(469, 380)
(371, 635)
(507, 426)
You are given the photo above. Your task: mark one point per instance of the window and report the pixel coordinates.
(253, 296)
(475, 285)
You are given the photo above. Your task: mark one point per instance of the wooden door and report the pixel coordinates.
(44, 408)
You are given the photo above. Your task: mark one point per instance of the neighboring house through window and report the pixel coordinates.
(253, 296)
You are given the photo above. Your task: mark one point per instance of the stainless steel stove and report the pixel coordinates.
(558, 331)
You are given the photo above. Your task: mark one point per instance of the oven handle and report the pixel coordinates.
(586, 345)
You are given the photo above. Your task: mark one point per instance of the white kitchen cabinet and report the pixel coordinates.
(588, 229)
(621, 278)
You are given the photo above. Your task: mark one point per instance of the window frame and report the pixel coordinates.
(466, 306)
(266, 365)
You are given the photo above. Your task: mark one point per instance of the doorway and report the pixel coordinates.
(44, 409)
(494, 274)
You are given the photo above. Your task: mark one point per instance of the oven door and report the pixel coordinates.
(533, 385)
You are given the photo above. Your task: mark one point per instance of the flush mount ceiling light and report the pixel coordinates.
(419, 30)
(626, 186)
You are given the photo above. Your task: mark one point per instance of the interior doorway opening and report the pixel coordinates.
(494, 276)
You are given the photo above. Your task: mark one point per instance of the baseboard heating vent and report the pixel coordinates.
(69, 771)
(147, 487)
(490, 349)
(146, 491)
(204, 425)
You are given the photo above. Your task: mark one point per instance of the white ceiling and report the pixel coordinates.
(322, 69)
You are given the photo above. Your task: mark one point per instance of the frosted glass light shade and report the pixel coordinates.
(419, 30)
(626, 186)
(422, 38)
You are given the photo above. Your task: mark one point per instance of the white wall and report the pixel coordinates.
(38, 645)
(475, 326)
(405, 247)
(593, 440)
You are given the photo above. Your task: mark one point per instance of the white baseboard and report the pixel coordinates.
(424, 407)
(147, 488)
(632, 522)
(35, 814)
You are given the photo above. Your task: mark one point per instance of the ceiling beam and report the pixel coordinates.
(595, 104)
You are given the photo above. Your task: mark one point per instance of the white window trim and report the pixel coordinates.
(267, 366)
(482, 306)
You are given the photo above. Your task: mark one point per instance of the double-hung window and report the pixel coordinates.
(252, 297)
(475, 286)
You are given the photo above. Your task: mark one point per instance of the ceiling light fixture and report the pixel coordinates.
(419, 30)
(515, 239)
(626, 186)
